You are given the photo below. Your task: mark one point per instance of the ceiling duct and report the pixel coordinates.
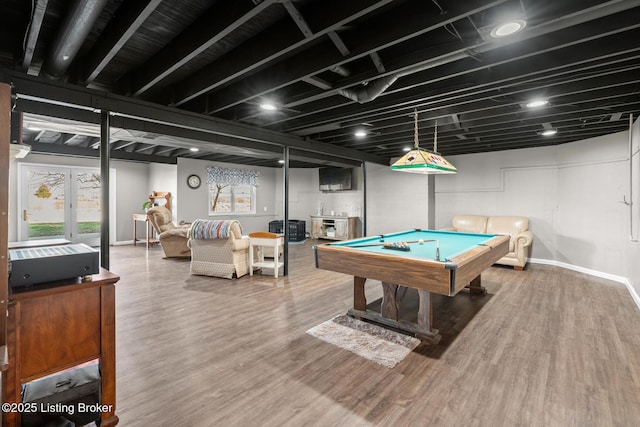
(73, 32)
(375, 88)
(370, 91)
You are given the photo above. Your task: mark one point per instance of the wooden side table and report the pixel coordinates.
(150, 231)
(261, 240)
(55, 326)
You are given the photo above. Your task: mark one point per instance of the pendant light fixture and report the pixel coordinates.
(423, 161)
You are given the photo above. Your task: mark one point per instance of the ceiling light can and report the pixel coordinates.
(537, 103)
(268, 107)
(508, 28)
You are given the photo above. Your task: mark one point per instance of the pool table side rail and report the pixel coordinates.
(405, 271)
(445, 278)
(472, 263)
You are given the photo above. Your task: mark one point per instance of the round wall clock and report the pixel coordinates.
(193, 181)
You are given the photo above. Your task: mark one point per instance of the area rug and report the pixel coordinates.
(372, 342)
(300, 242)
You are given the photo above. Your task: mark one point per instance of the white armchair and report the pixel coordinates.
(218, 248)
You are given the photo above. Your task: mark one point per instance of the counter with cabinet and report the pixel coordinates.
(335, 227)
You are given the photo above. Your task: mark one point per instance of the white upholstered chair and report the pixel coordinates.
(218, 248)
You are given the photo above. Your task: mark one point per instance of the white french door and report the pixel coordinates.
(60, 202)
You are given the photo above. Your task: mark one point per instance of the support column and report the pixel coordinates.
(104, 187)
(285, 222)
(364, 198)
(431, 202)
(5, 137)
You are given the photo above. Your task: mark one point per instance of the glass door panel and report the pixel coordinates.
(44, 199)
(60, 203)
(86, 208)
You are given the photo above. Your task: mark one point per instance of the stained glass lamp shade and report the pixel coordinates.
(423, 161)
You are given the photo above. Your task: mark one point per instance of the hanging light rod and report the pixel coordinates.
(423, 161)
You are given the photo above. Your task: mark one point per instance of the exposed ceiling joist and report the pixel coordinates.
(210, 29)
(297, 18)
(117, 35)
(126, 107)
(323, 57)
(270, 47)
(39, 9)
(196, 72)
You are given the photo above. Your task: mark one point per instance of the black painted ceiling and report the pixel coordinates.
(333, 67)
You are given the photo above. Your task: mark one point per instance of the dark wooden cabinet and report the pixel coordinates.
(5, 135)
(56, 326)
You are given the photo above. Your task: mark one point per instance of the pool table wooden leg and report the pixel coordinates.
(389, 314)
(476, 288)
(359, 298)
(389, 307)
(425, 319)
(425, 313)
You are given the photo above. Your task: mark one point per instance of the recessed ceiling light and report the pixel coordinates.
(194, 149)
(537, 103)
(549, 132)
(508, 28)
(405, 149)
(269, 107)
(360, 133)
(281, 162)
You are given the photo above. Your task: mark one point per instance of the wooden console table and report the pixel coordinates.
(55, 326)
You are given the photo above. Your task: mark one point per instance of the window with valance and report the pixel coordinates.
(232, 191)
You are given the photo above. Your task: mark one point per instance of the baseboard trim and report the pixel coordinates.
(620, 279)
(633, 292)
(123, 242)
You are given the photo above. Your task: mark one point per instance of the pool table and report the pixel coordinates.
(441, 262)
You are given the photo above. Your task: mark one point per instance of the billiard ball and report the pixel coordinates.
(421, 242)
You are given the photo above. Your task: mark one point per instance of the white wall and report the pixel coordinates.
(514, 182)
(571, 194)
(396, 201)
(592, 181)
(305, 199)
(193, 203)
(631, 248)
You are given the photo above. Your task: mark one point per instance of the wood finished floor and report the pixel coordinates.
(546, 347)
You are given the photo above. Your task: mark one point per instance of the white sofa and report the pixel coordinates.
(516, 227)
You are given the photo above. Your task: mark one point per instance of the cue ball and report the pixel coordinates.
(420, 242)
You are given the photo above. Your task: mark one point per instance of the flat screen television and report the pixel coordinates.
(335, 179)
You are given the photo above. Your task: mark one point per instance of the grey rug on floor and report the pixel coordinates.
(299, 242)
(372, 342)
